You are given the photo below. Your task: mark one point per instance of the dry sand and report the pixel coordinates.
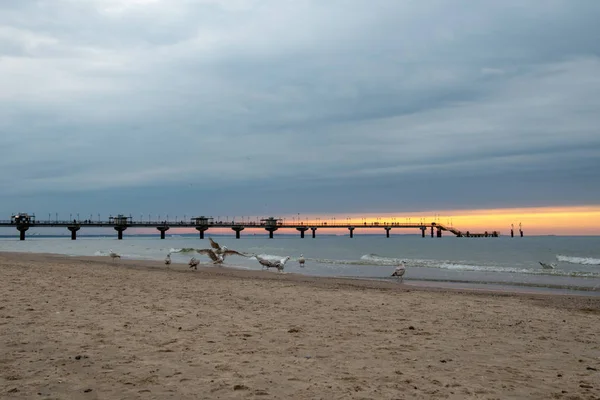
(81, 328)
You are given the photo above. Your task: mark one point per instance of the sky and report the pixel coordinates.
(280, 107)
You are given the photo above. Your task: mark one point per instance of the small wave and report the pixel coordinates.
(375, 260)
(378, 260)
(463, 267)
(268, 257)
(578, 260)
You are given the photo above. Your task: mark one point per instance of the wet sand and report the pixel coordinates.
(83, 328)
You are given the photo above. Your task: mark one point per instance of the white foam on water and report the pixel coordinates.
(578, 260)
(375, 260)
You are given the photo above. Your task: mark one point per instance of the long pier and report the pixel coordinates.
(22, 222)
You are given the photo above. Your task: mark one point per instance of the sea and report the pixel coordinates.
(502, 263)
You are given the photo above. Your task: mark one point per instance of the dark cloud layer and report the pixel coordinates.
(252, 107)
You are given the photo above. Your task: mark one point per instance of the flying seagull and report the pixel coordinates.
(218, 257)
(279, 264)
(547, 266)
(218, 249)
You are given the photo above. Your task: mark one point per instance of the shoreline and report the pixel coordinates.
(418, 284)
(211, 270)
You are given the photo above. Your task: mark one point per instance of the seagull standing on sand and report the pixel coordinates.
(114, 255)
(399, 272)
(279, 264)
(194, 263)
(168, 259)
(301, 260)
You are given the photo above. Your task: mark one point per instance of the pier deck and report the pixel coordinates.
(202, 224)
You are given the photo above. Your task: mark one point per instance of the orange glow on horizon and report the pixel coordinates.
(575, 220)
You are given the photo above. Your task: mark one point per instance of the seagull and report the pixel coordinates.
(548, 266)
(168, 259)
(279, 264)
(218, 257)
(399, 272)
(301, 260)
(217, 248)
(194, 263)
(114, 255)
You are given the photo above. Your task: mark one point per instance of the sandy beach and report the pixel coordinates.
(83, 328)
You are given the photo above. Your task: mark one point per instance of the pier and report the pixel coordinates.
(120, 223)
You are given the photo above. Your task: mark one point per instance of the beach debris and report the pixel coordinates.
(114, 255)
(278, 264)
(87, 390)
(399, 272)
(412, 328)
(194, 263)
(293, 330)
(240, 387)
(591, 369)
(168, 259)
(301, 260)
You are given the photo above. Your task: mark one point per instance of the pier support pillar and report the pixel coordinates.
(423, 229)
(73, 230)
(22, 229)
(314, 232)
(162, 230)
(351, 229)
(271, 229)
(201, 230)
(431, 230)
(120, 230)
(512, 233)
(521, 232)
(439, 232)
(387, 231)
(302, 229)
(237, 230)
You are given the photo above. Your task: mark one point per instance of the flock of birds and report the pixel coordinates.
(217, 254)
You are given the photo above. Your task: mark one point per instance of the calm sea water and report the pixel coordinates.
(502, 262)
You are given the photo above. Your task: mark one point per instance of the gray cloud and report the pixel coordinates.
(316, 106)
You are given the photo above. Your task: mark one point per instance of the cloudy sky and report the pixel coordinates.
(271, 107)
